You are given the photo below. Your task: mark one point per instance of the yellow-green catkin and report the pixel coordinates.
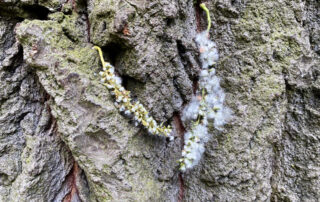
(125, 104)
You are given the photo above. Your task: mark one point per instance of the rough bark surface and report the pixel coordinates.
(62, 138)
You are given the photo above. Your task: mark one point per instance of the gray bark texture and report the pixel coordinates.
(62, 138)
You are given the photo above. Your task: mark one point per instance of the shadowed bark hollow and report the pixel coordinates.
(63, 139)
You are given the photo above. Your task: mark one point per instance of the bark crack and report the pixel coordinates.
(87, 20)
(180, 131)
(71, 178)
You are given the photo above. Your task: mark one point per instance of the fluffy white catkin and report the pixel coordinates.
(206, 106)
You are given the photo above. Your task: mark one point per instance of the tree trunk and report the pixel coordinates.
(63, 139)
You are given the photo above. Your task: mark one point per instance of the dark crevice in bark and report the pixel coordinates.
(182, 51)
(29, 11)
(87, 20)
(198, 14)
(40, 12)
(113, 53)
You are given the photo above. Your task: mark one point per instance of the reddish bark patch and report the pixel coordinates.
(181, 190)
(126, 31)
(179, 127)
(198, 15)
(180, 131)
(71, 179)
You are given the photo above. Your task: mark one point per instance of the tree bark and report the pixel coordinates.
(63, 139)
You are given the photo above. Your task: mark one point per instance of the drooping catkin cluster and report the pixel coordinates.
(206, 105)
(125, 104)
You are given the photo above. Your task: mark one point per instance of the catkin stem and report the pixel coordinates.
(100, 54)
(203, 6)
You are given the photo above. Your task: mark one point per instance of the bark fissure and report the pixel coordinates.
(198, 12)
(87, 21)
(28, 11)
(180, 131)
(73, 195)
